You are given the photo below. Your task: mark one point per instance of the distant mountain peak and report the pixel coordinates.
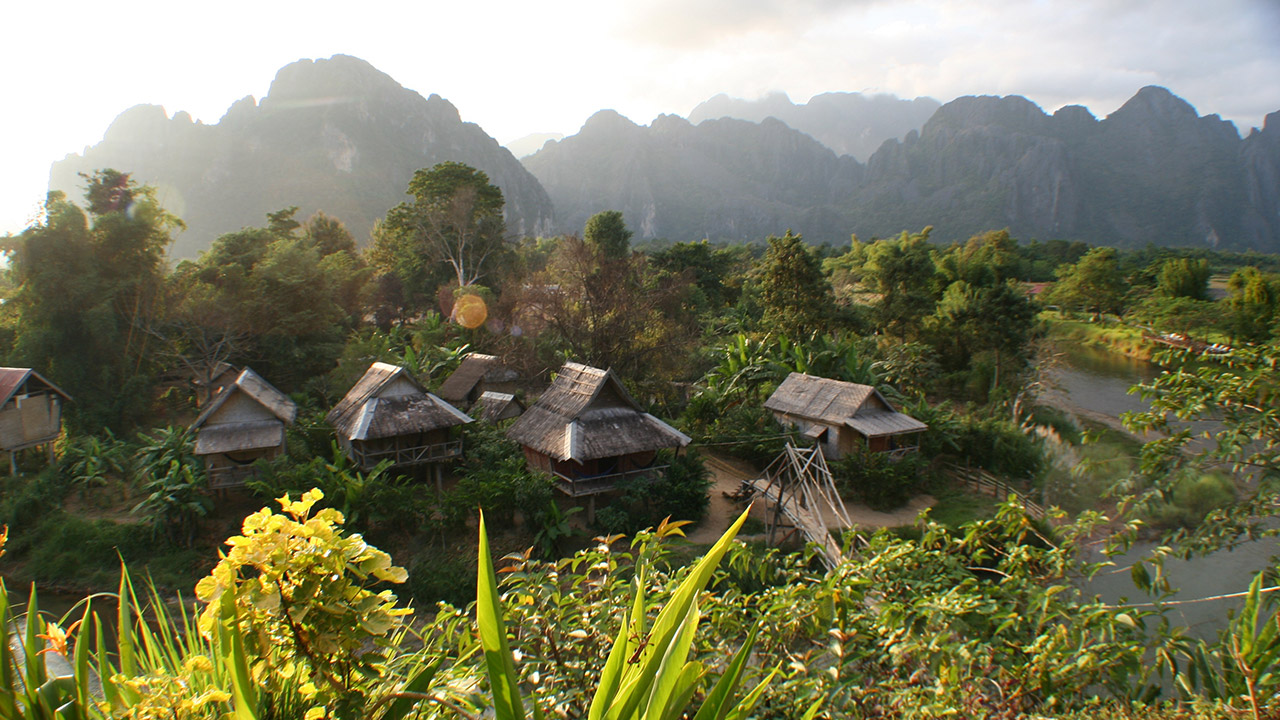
(1155, 103)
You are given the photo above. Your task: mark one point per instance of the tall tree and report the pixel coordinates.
(607, 234)
(902, 272)
(454, 220)
(1094, 283)
(1184, 278)
(87, 286)
(795, 293)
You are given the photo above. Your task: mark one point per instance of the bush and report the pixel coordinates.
(1192, 498)
(680, 494)
(443, 577)
(879, 482)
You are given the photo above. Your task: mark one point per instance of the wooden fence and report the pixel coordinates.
(983, 482)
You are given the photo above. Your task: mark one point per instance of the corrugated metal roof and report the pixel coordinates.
(588, 414)
(262, 392)
(883, 422)
(13, 379)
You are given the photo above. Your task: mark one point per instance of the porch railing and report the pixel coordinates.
(595, 484)
(418, 455)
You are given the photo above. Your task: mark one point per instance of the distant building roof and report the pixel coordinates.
(835, 402)
(363, 415)
(263, 392)
(495, 406)
(462, 381)
(11, 379)
(587, 414)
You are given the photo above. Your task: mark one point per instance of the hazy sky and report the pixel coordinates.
(68, 68)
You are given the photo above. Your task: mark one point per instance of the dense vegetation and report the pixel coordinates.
(974, 616)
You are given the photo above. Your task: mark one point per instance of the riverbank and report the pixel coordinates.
(1107, 335)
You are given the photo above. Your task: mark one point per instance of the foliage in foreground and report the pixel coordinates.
(976, 622)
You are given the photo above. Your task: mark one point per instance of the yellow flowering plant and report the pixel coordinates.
(295, 613)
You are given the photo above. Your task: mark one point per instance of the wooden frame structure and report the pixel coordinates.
(799, 493)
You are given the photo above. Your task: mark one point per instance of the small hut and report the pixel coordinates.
(494, 407)
(30, 412)
(477, 374)
(842, 416)
(588, 433)
(388, 415)
(244, 422)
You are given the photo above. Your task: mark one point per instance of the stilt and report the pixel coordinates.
(591, 509)
(13, 463)
(49, 446)
(439, 481)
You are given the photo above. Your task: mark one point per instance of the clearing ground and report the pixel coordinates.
(727, 475)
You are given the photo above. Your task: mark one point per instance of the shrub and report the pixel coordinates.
(880, 482)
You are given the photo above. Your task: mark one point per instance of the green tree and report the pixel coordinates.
(607, 234)
(902, 272)
(454, 221)
(1254, 299)
(1095, 283)
(795, 293)
(1240, 392)
(87, 286)
(1184, 278)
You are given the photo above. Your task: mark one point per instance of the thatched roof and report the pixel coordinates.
(363, 415)
(494, 406)
(390, 417)
(14, 379)
(261, 391)
(587, 414)
(239, 437)
(835, 402)
(462, 381)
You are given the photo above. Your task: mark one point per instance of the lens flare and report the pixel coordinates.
(470, 311)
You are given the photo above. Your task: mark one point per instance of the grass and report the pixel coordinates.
(1112, 336)
(955, 506)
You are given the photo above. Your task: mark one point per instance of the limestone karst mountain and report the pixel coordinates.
(854, 124)
(335, 135)
(1154, 171)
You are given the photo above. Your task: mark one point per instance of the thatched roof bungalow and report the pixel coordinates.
(477, 374)
(30, 410)
(842, 416)
(244, 422)
(389, 415)
(588, 433)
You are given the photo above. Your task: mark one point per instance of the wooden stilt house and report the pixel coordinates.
(388, 415)
(843, 416)
(30, 411)
(588, 433)
(243, 423)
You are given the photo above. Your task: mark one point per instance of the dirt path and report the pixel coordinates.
(727, 475)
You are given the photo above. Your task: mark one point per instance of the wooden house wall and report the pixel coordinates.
(240, 408)
(399, 387)
(30, 420)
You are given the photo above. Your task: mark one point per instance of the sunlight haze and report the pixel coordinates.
(519, 68)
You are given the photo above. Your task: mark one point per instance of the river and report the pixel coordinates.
(1095, 383)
